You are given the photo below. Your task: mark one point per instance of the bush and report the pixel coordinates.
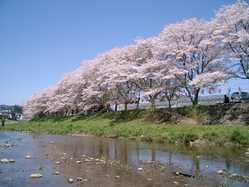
(238, 137)
(210, 136)
(190, 137)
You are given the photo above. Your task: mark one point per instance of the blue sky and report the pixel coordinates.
(41, 40)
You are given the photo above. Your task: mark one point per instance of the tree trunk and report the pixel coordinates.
(108, 107)
(116, 107)
(125, 106)
(153, 105)
(169, 103)
(170, 111)
(196, 97)
(138, 101)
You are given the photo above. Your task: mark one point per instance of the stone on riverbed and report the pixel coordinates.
(234, 175)
(220, 172)
(176, 183)
(28, 157)
(12, 161)
(70, 180)
(240, 178)
(184, 174)
(140, 169)
(79, 179)
(56, 173)
(35, 175)
(177, 173)
(78, 162)
(4, 161)
(6, 145)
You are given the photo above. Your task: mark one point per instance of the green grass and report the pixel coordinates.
(133, 125)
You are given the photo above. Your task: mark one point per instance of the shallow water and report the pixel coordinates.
(157, 162)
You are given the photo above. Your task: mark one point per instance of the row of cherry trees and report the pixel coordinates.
(186, 58)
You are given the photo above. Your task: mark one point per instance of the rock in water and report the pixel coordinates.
(220, 172)
(28, 157)
(12, 161)
(4, 161)
(176, 183)
(70, 180)
(7, 145)
(57, 173)
(79, 179)
(140, 169)
(35, 175)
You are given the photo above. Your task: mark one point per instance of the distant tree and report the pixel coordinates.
(17, 109)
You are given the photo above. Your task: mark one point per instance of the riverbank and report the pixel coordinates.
(138, 125)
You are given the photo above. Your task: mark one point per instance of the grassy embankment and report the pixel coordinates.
(139, 124)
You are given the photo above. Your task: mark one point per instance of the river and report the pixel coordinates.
(96, 162)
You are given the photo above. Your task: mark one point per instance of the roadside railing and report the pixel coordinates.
(184, 101)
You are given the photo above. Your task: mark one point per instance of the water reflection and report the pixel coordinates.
(194, 161)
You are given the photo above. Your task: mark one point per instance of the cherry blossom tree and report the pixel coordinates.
(37, 105)
(233, 30)
(187, 57)
(195, 52)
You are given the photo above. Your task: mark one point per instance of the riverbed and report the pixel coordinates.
(96, 162)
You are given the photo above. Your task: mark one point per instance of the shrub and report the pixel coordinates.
(190, 137)
(238, 137)
(210, 136)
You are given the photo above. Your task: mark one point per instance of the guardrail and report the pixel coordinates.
(184, 101)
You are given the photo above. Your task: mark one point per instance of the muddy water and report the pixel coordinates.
(92, 161)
